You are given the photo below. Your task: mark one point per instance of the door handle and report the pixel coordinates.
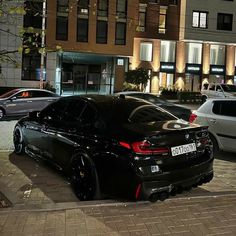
(213, 121)
(29, 101)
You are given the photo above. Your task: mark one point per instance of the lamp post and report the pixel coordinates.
(42, 66)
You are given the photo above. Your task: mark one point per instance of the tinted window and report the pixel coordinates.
(229, 87)
(74, 111)
(39, 94)
(55, 111)
(148, 113)
(225, 108)
(211, 87)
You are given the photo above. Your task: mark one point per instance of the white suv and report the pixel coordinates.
(217, 90)
(220, 116)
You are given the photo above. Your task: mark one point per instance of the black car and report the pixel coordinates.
(178, 111)
(117, 146)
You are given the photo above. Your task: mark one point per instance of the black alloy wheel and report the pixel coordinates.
(2, 113)
(18, 141)
(84, 179)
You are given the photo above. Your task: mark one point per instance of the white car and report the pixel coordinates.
(217, 90)
(220, 116)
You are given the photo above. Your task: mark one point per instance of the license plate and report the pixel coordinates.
(182, 149)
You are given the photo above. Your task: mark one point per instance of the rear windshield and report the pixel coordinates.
(229, 87)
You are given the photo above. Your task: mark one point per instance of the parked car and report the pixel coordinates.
(220, 115)
(117, 146)
(178, 111)
(217, 90)
(19, 102)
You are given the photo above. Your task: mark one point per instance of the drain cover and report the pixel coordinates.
(4, 202)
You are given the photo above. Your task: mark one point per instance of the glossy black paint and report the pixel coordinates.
(101, 130)
(178, 111)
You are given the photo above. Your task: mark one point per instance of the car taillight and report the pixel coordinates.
(192, 118)
(145, 148)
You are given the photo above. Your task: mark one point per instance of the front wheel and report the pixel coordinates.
(18, 140)
(2, 113)
(84, 179)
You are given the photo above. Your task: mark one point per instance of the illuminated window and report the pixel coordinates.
(162, 20)
(142, 18)
(146, 51)
(217, 55)
(199, 19)
(168, 51)
(194, 53)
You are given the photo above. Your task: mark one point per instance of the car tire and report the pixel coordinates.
(214, 143)
(18, 141)
(84, 178)
(2, 113)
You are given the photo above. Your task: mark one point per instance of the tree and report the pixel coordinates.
(136, 79)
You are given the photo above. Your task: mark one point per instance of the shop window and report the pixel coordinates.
(101, 32)
(224, 21)
(199, 19)
(193, 53)
(168, 51)
(217, 55)
(146, 51)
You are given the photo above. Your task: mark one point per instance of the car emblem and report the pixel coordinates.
(186, 136)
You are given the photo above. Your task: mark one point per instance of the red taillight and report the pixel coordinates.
(124, 144)
(144, 147)
(192, 118)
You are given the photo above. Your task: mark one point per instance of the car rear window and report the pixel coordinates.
(224, 108)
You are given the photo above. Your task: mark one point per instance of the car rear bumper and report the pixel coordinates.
(172, 182)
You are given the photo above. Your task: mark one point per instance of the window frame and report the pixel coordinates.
(199, 19)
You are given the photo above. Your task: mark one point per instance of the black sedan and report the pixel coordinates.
(117, 146)
(178, 111)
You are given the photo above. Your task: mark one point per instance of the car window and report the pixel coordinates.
(218, 88)
(23, 94)
(211, 87)
(8, 94)
(55, 111)
(39, 94)
(205, 86)
(224, 108)
(229, 87)
(148, 113)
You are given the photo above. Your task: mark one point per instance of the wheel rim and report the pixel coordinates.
(83, 179)
(1, 114)
(17, 139)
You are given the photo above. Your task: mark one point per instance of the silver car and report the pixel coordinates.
(219, 115)
(19, 102)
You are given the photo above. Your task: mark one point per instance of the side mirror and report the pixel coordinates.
(34, 114)
(13, 98)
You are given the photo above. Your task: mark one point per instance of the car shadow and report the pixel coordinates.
(226, 156)
(46, 184)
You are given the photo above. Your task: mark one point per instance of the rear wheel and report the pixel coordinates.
(18, 140)
(214, 143)
(84, 179)
(2, 113)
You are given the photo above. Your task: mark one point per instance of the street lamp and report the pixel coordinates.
(43, 45)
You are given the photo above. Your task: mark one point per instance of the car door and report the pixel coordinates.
(222, 122)
(19, 103)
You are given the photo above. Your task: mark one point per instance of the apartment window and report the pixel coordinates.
(142, 18)
(120, 33)
(82, 21)
(173, 2)
(224, 21)
(62, 20)
(31, 66)
(32, 18)
(162, 20)
(121, 8)
(199, 19)
(101, 31)
(146, 51)
(102, 9)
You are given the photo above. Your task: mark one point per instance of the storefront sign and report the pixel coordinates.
(167, 67)
(217, 70)
(193, 68)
